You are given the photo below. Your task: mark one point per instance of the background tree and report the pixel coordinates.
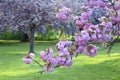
(27, 16)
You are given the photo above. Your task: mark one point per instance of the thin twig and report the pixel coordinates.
(41, 71)
(38, 63)
(113, 3)
(57, 66)
(111, 44)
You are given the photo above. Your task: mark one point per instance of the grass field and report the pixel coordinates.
(100, 67)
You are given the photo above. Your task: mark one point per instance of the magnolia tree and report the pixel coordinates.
(27, 16)
(106, 30)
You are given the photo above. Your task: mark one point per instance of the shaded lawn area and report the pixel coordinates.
(99, 67)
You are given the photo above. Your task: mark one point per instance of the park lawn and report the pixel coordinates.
(100, 67)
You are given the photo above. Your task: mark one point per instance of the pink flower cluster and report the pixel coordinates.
(28, 58)
(47, 56)
(92, 33)
(90, 50)
(95, 33)
(81, 46)
(63, 14)
(114, 18)
(62, 59)
(80, 21)
(97, 3)
(80, 43)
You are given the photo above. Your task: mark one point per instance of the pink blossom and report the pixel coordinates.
(100, 37)
(68, 62)
(101, 4)
(80, 40)
(61, 60)
(93, 37)
(61, 16)
(117, 6)
(101, 19)
(86, 15)
(92, 3)
(68, 43)
(32, 55)
(118, 19)
(63, 52)
(79, 23)
(90, 50)
(48, 68)
(65, 10)
(108, 31)
(53, 61)
(77, 38)
(46, 55)
(27, 60)
(85, 35)
(84, 8)
(113, 19)
(43, 56)
(79, 49)
(60, 45)
(87, 26)
(50, 51)
(75, 18)
(109, 25)
(97, 29)
(118, 33)
(107, 37)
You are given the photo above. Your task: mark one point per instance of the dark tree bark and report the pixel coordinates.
(32, 32)
(25, 37)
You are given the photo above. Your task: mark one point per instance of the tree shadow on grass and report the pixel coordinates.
(8, 42)
(12, 42)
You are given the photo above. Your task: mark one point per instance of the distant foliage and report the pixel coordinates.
(10, 35)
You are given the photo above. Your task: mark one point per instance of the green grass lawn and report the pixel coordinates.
(100, 67)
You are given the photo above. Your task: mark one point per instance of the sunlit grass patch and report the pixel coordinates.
(100, 67)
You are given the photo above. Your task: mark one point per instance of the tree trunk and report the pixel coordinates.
(24, 37)
(32, 32)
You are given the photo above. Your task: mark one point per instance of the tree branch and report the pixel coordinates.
(111, 44)
(37, 63)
